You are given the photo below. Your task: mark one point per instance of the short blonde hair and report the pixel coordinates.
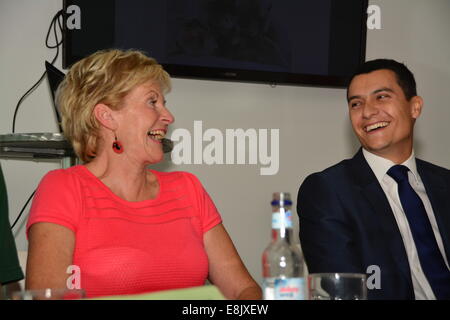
(106, 76)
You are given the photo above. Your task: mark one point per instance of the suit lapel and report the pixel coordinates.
(372, 191)
(439, 196)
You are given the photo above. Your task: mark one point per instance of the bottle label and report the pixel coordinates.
(282, 218)
(268, 289)
(289, 289)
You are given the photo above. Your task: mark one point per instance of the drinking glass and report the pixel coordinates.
(337, 286)
(49, 294)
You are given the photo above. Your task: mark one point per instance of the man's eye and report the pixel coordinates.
(354, 104)
(382, 96)
(153, 102)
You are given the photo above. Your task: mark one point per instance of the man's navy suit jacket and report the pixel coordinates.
(346, 223)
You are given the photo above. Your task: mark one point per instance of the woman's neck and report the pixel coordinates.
(127, 180)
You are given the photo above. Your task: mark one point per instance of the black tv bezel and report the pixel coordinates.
(238, 75)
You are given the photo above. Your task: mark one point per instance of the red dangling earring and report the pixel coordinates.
(117, 146)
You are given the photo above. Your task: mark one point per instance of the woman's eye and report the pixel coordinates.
(153, 102)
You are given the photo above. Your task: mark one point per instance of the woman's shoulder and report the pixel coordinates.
(63, 176)
(64, 173)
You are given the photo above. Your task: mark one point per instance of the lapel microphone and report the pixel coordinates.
(167, 145)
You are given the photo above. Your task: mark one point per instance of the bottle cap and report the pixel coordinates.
(281, 199)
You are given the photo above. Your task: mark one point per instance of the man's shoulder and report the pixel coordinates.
(339, 169)
(341, 177)
(433, 171)
(432, 167)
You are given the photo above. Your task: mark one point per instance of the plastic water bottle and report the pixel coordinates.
(282, 260)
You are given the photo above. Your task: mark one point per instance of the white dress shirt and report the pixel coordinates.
(380, 166)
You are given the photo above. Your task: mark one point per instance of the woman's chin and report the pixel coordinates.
(154, 158)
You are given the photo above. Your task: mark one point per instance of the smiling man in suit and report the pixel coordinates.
(384, 207)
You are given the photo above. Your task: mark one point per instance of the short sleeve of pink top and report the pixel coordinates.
(127, 247)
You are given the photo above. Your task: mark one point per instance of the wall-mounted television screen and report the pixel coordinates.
(297, 42)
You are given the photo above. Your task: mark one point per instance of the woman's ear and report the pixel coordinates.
(105, 116)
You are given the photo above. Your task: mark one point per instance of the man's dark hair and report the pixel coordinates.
(405, 77)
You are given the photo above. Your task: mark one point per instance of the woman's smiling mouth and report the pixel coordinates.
(156, 135)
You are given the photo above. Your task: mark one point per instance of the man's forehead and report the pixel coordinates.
(382, 75)
(369, 82)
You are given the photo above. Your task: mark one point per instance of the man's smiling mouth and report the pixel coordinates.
(375, 126)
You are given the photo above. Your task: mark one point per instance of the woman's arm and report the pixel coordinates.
(226, 269)
(50, 252)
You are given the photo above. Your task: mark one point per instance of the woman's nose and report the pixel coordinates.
(167, 116)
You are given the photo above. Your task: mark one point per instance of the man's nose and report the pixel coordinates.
(370, 109)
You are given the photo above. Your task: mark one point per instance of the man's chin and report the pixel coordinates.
(376, 148)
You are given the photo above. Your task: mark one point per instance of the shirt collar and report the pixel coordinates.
(380, 165)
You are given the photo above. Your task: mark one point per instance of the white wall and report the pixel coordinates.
(314, 128)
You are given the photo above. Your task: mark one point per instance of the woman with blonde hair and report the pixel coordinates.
(129, 229)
